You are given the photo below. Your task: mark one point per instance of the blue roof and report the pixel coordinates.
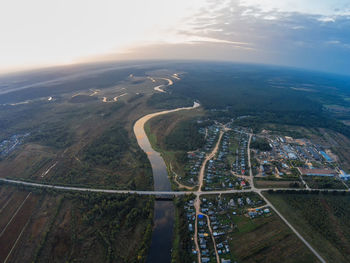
(326, 156)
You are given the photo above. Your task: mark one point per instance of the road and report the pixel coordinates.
(251, 177)
(177, 193)
(180, 185)
(198, 193)
(197, 202)
(160, 193)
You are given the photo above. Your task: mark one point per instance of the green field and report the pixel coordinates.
(266, 183)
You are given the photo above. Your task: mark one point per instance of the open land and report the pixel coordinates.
(322, 220)
(257, 129)
(44, 225)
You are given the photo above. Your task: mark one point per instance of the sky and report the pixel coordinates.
(312, 34)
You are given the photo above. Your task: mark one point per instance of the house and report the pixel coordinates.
(252, 214)
(248, 201)
(266, 210)
(317, 172)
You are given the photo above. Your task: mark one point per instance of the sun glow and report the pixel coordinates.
(43, 32)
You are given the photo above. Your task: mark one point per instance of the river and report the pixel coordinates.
(164, 212)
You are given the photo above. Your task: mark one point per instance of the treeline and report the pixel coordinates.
(98, 218)
(260, 144)
(169, 101)
(109, 148)
(311, 192)
(249, 91)
(306, 119)
(185, 137)
(57, 135)
(119, 215)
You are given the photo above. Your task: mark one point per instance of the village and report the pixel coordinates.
(283, 157)
(223, 164)
(221, 217)
(227, 170)
(8, 145)
(274, 157)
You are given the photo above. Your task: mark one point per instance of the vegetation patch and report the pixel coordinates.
(109, 148)
(322, 219)
(260, 144)
(184, 137)
(63, 226)
(82, 99)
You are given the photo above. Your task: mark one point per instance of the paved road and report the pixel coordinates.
(197, 193)
(97, 190)
(176, 193)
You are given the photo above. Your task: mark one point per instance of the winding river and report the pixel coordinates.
(164, 212)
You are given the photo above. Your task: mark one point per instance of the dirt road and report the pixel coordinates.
(197, 203)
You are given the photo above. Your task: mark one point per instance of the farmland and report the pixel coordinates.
(42, 226)
(322, 220)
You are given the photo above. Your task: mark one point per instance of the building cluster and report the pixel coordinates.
(286, 153)
(216, 221)
(239, 166)
(218, 173)
(196, 158)
(211, 134)
(8, 145)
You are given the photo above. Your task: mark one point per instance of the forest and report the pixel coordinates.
(109, 148)
(260, 144)
(267, 94)
(184, 137)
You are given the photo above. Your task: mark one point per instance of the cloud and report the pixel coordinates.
(276, 34)
(298, 33)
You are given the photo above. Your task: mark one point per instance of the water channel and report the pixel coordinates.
(164, 211)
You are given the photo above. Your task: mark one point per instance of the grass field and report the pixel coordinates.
(321, 219)
(267, 239)
(275, 184)
(318, 182)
